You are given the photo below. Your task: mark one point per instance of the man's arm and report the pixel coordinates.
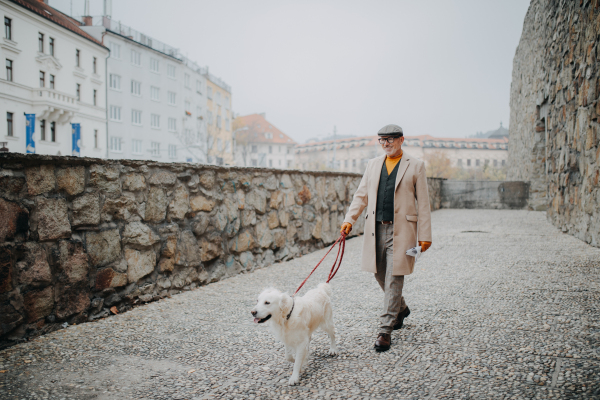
(422, 195)
(359, 202)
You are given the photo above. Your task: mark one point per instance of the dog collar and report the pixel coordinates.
(290, 314)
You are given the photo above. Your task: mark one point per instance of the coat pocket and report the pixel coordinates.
(412, 218)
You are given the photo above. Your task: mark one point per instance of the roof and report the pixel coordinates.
(253, 129)
(44, 10)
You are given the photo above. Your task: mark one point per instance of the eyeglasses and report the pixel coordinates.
(390, 140)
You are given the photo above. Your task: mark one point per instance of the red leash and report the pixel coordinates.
(334, 269)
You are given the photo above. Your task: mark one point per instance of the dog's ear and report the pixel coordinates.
(285, 304)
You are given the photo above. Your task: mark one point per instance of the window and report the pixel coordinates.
(477, 163)
(155, 121)
(114, 82)
(228, 147)
(8, 28)
(186, 81)
(172, 151)
(503, 162)
(172, 125)
(9, 124)
(270, 163)
(219, 144)
(198, 111)
(95, 97)
(209, 93)
(51, 81)
(254, 163)
(115, 144)
(219, 98)
(210, 117)
(136, 146)
(95, 65)
(188, 106)
(270, 149)
(153, 65)
(41, 42)
(218, 121)
(155, 149)
(95, 138)
(136, 88)
(42, 79)
(495, 163)
(53, 131)
(172, 97)
(353, 162)
(227, 102)
(9, 70)
(77, 57)
(486, 162)
(254, 149)
(199, 87)
(468, 162)
(289, 164)
(459, 162)
(171, 71)
(51, 45)
(227, 124)
(136, 117)
(42, 129)
(154, 93)
(136, 58)
(115, 113)
(279, 163)
(78, 92)
(115, 50)
(345, 163)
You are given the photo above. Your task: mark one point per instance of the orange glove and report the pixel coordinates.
(346, 228)
(424, 246)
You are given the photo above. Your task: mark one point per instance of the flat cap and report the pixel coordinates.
(391, 130)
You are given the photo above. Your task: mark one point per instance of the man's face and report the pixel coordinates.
(392, 149)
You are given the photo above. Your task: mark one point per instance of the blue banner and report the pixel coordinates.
(76, 130)
(29, 131)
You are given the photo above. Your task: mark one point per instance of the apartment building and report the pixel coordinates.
(55, 73)
(258, 143)
(219, 121)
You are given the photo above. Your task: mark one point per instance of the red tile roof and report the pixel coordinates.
(257, 126)
(42, 9)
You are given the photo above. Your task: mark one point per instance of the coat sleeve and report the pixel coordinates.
(360, 199)
(422, 194)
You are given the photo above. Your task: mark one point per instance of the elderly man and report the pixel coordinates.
(392, 189)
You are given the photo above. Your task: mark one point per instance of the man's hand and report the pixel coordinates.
(424, 246)
(346, 228)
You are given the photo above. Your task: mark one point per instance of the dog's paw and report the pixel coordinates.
(293, 380)
(333, 351)
(290, 358)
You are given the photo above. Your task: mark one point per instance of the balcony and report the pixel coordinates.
(54, 105)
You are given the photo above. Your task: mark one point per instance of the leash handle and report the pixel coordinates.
(342, 242)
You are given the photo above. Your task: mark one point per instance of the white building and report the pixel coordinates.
(54, 70)
(156, 99)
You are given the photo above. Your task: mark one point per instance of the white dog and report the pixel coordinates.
(293, 321)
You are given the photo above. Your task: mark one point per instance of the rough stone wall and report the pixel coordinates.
(554, 135)
(434, 186)
(80, 236)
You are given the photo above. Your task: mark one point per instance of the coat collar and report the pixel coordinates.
(402, 169)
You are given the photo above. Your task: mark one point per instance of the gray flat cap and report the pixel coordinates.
(391, 130)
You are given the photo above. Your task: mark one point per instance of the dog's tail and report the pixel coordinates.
(326, 287)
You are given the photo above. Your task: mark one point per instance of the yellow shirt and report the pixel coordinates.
(390, 162)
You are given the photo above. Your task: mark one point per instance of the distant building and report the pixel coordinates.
(56, 71)
(219, 115)
(352, 154)
(260, 144)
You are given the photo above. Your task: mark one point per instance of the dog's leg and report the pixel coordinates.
(289, 353)
(329, 328)
(301, 352)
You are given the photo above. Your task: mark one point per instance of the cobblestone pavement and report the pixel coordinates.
(503, 306)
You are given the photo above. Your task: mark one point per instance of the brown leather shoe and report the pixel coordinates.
(400, 320)
(383, 342)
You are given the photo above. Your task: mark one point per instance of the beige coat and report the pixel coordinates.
(411, 184)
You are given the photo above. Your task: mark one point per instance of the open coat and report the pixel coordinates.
(410, 226)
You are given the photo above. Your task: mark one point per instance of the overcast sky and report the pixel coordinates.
(441, 68)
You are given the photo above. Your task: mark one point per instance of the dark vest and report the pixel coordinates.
(385, 194)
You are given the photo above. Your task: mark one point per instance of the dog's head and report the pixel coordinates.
(271, 303)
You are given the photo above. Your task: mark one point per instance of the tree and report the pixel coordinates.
(438, 165)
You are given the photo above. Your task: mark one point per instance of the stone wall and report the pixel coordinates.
(434, 186)
(554, 135)
(80, 236)
(496, 195)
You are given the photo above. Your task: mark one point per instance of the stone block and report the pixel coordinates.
(209, 250)
(120, 208)
(11, 184)
(70, 300)
(33, 267)
(139, 234)
(38, 304)
(103, 247)
(296, 212)
(248, 218)
(166, 264)
(257, 199)
(219, 220)
(276, 199)
(52, 219)
(263, 234)
(139, 264)
(273, 220)
(163, 178)
(188, 250)
(169, 247)
(201, 203)
(207, 179)
(156, 205)
(7, 261)
(243, 242)
(316, 232)
(73, 261)
(180, 203)
(86, 210)
(71, 179)
(286, 182)
(105, 178)
(40, 179)
(247, 260)
(200, 223)
(304, 195)
(279, 238)
(10, 317)
(109, 278)
(134, 182)
(15, 220)
(283, 217)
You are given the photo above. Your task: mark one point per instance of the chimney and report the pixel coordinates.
(87, 20)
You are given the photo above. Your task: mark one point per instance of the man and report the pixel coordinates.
(389, 188)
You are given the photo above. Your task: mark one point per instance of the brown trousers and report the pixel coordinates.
(393, 301)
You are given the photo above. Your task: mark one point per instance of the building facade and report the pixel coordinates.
(260, 144)
(352, 154)
(219, 121)
(156, 98)
(56, 71)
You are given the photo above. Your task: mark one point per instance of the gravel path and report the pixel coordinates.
(503, 306)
